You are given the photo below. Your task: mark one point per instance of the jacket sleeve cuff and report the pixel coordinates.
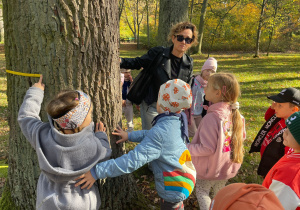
(93, 172)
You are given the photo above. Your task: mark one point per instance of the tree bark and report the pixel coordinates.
(171, 12)
(74, 44)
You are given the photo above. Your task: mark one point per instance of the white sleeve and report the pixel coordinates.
(285, 194)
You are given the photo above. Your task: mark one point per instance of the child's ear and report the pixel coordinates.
(219, 93)
(296, 109)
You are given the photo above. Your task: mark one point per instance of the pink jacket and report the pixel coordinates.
(210, 147)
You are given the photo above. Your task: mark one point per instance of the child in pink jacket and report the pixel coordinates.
(217, 147)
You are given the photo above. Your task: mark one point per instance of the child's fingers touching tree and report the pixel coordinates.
(100, 127)
(39, 84)
(121, 133)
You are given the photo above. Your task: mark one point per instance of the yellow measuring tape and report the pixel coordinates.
(23, 74)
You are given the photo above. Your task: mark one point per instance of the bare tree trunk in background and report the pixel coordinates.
(260, 24)
(148, 27)
(171, 12)
(121, 7)
(155, 16)
(191, 12)
(271, 33)
(132, 7)
(197, 48)
(74, 44)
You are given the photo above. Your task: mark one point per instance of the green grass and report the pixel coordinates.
(258, 77)
(3, 168)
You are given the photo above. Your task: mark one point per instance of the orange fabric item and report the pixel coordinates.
(241, 196)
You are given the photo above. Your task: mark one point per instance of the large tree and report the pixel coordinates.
(170, 13)
(74, 44)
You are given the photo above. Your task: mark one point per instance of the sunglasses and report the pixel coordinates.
(187, 40)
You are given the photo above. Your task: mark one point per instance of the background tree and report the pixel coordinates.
(236, 32)
(259, 28)
(134, 14)
(222, 14)
(273, 22)
(74, 44)
(197, 49)
(170, 13)
(121, 6)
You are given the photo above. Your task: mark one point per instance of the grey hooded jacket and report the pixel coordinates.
(61, 157)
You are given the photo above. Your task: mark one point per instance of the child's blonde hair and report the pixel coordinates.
(229, 86)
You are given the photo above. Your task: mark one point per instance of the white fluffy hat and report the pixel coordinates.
(174, 96)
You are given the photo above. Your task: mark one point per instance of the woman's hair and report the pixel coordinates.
(62, 103)
(230, 90)
(182, 26)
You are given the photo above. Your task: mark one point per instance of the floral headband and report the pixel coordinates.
(75, 117)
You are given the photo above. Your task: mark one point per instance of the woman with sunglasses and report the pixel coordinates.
(166, 63)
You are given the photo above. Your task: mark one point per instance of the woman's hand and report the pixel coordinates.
(100, 127)
(86, 178)
(39, 84)
(123, 103)
(121, 133)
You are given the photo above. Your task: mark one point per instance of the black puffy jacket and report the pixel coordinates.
(163, 72)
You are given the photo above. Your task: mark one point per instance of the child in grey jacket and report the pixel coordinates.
(163, 147)
(66, 147)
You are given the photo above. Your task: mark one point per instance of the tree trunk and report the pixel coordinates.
(138, 25)
(273, 26)
(260, 24)
(156, 11)
(74, 44)
(121, 7)
(197, 48)
(171, 12)
(192, 10)
(148, 27)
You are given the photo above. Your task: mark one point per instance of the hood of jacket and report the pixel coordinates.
(63, 157)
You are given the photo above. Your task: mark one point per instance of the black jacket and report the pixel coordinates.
(274, 150)
(163, 72)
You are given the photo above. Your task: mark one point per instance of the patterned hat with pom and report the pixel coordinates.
(174, 96)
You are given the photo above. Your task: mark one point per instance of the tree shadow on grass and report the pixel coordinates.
(274, 89)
